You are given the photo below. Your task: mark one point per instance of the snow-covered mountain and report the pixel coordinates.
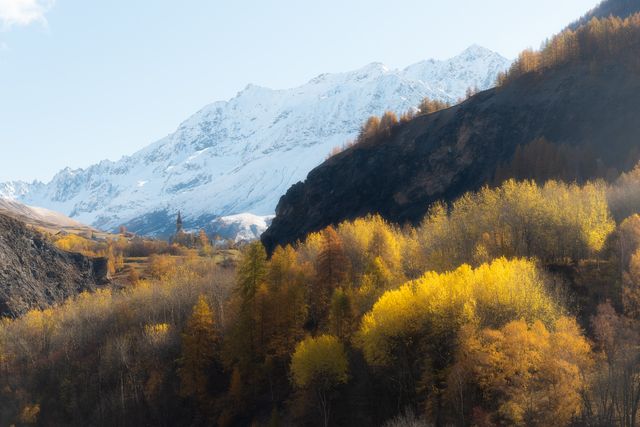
(241, 155)
(243, 227)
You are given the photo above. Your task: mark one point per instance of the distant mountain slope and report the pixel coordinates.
(242, 155)
(42, 218)
(619, 8)
(34, 273)
(587, 108)
(239, 228)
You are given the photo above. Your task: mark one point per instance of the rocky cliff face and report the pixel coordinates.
(594, 111)
(34, 273)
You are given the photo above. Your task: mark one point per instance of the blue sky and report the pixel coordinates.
(82, 81)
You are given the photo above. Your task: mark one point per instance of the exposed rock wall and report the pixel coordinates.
(34, 273)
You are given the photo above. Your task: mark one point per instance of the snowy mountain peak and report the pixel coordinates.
(372, 70)
(475, 51)
(253, 89)
(241, 155)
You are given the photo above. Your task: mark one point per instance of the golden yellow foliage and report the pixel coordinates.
(369, 129)
(156, 333)
(531, 375)
(308, 252)
(492, 294)
(385, 244)
(75, 243)
(387, 122)
(112, 249)
(608, 37)
(129, 334)
(428, 106)
(283, 267)
(552, 222)
(319, 362)
(199, 342)
(252, 269)
(161, 266)
(30, 413)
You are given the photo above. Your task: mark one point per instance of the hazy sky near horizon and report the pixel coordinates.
(82, 81)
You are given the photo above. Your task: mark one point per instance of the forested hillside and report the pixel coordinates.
(572, 108)
(460, 265)
(517, 305)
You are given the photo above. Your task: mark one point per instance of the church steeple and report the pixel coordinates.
(179, 223)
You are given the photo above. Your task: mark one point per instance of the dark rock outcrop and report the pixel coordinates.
(34, 273)
(590, 110)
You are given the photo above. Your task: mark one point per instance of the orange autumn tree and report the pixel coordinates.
(428, 106)
(525, 374)
(332, 269)
(410, 334)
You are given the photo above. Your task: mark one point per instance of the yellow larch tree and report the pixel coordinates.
(320, 364)
(199, 348)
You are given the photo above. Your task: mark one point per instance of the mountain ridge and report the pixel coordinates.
(619, 8)
(41, 218)
(583, 107)
(240, 155)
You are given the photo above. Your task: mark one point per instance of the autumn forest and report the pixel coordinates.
(482, 314)
(515, 303)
